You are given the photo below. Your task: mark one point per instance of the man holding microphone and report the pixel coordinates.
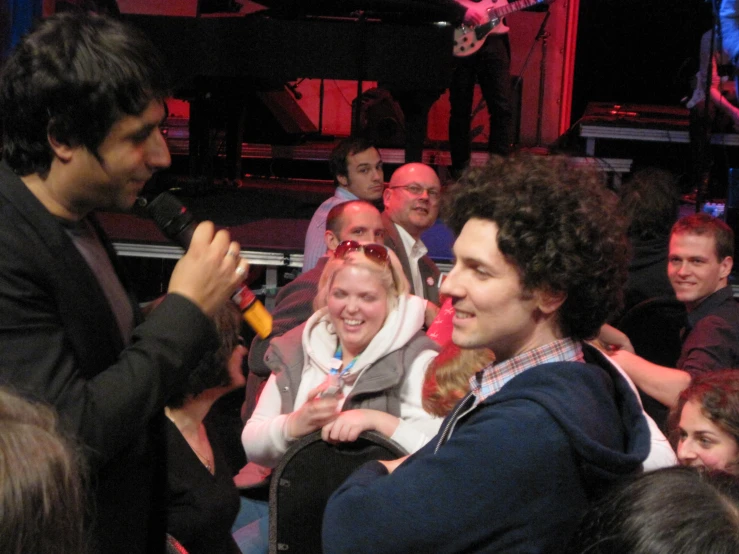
(82, 103)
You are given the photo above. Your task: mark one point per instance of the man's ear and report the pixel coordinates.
(61, 150)
(386, 196)
(549, 302)
(725, 267)
(331, 240)
(343, 180)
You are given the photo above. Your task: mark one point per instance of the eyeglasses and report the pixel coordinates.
(417, 191)
(375, 252)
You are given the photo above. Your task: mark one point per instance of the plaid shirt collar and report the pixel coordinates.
(492, 378)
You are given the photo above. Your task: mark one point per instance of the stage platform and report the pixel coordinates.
(316, 152)
(640, 123)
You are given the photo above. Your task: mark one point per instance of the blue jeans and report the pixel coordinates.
(251, 528)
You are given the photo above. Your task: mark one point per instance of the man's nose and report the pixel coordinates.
(449, 285)
(683, 267)
(158, 153)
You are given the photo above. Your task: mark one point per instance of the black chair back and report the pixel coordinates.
(653, 327)
(302, 483)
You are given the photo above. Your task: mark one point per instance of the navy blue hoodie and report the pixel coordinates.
(514, 474)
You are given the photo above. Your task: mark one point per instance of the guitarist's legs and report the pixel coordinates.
(494, 76)
(490, 66)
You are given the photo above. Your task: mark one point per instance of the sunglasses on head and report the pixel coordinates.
(375, 252)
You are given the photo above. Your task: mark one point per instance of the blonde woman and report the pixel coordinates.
(357, 364)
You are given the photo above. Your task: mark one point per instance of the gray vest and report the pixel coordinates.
(377, 388)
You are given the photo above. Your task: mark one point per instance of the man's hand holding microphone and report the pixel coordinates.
(211, 270)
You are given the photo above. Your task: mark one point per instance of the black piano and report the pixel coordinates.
(406, 46)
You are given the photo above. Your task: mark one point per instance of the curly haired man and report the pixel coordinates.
(550, 424)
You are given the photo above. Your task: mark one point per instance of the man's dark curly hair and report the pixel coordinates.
(212, 370)
(558, 225)
(73, 78)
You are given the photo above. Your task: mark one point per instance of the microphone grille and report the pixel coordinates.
(169, 214)
(164, 209)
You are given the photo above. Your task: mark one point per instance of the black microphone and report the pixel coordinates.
(178, 224)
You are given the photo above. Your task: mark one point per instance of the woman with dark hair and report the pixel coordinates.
(676, 510)
(202, 500)
(42, 497)
(706, 422)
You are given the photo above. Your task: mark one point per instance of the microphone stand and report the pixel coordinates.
(542, 35)
(361, 63)
(702, 135)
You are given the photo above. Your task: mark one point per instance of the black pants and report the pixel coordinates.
(415, 106)
(490, 67)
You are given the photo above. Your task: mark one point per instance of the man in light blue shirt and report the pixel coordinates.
(357, 168)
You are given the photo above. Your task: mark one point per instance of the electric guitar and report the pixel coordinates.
(468, 39)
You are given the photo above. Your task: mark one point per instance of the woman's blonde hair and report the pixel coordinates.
(448, 377)
(391, 276)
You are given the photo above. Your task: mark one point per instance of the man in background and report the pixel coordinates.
(357, 168)
(699, 263)
(411, 207)
(650, 201)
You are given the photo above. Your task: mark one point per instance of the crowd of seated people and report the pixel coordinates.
(355, 365)
(704, 416)
(545, 442)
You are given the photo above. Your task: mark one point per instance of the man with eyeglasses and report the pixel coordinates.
(411, 207)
